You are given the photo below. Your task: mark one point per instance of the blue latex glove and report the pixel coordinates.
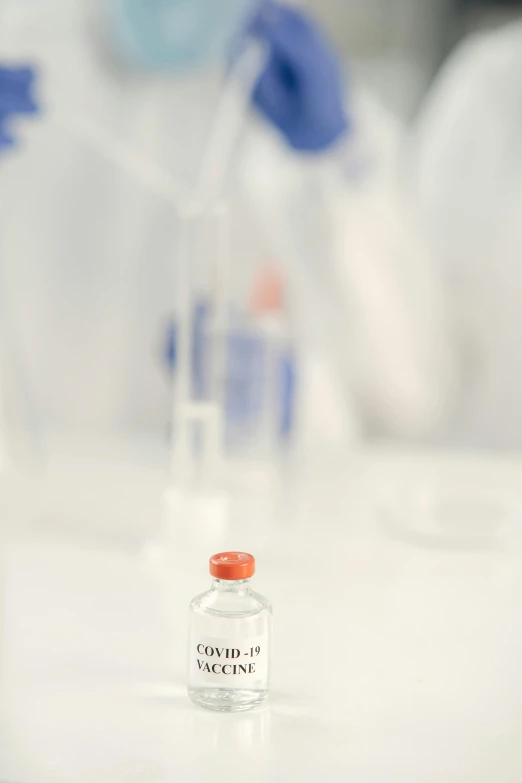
(16, 97)
(301, 90)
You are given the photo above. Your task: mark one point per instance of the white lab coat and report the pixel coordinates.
(87, 250)
(467, 176)
(373, 287)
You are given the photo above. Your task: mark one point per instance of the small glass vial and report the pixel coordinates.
(230, 629)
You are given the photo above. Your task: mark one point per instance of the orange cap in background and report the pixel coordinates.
(232, 565)
(268, 291)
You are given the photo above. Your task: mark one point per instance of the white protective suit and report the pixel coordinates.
(468, 177)
(87, 250)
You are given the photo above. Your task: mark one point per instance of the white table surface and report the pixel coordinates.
(397, 590)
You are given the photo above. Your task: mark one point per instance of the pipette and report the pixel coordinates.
(201, 307)
(229, 121)
(204, 242)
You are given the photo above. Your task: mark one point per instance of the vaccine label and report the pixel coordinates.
(235, 663)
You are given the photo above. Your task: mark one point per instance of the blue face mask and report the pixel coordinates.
(173, 34)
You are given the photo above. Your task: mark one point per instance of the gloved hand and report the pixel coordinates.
(301, 90)
(16, 88)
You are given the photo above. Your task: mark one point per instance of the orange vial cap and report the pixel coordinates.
(232, 565)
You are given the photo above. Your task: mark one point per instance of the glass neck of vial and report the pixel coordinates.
(230, 585)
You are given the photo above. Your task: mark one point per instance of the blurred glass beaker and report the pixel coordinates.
(234, 380)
